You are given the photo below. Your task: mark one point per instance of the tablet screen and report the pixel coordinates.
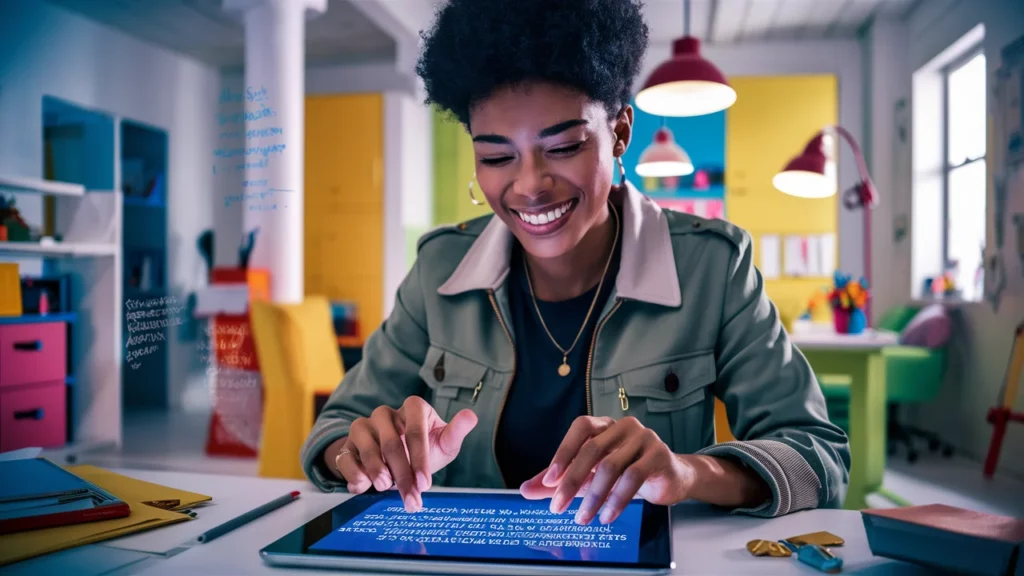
(480, 527)
(487, 527)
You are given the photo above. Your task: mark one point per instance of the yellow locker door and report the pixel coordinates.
(344, 216)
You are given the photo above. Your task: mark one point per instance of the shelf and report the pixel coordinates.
(18, 184)
(63, 249)
(39, 318)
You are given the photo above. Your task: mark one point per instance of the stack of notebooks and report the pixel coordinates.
(45, 508)
(948, 539)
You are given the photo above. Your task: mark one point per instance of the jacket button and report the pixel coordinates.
(696, 224)
(671, 382)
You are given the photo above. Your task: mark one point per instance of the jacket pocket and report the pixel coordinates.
(671, 398)
(455, 381)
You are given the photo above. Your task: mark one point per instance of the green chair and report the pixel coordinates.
(912, 374)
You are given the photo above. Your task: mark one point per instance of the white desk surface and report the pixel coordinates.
(827, 340)
(706, 541)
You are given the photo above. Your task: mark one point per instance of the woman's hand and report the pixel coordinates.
(399, 447)
(610, 462)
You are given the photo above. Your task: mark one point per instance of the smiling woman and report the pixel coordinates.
(573, 343)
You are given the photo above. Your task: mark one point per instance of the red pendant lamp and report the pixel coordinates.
(687, 84)
(664, 158)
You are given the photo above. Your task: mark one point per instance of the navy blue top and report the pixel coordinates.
(541, 404)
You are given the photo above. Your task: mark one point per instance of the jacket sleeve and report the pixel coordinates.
(775, 406)
(387, 375)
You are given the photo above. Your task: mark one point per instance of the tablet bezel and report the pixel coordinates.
(655, 546)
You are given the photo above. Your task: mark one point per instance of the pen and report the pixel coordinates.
(247, 517)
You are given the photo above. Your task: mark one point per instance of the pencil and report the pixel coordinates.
(247, 517)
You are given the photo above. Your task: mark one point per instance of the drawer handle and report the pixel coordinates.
(33, 345)
(33, 414)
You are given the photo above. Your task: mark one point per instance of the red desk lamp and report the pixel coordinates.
(812, 175)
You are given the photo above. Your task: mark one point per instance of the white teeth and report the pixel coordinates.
(547, 217)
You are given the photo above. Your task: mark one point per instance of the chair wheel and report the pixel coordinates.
(947, 451)
(912, 456)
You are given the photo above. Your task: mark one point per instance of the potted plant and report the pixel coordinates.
(848, 298)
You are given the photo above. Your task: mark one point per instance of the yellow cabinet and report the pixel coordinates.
(344, 216)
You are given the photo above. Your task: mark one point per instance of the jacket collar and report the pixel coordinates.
(647, 270)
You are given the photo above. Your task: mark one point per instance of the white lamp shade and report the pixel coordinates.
(664, 158)
(686, 98)
(805, 184)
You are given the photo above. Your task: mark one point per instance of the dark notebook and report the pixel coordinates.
(947, 538)
(36, 493)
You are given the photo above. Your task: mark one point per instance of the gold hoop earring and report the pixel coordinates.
(472, 198)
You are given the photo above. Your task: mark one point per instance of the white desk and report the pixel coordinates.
(705, 541)
(829, 340)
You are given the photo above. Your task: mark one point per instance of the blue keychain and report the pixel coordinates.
(815, 556)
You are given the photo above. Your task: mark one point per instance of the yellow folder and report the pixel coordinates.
(31, 543)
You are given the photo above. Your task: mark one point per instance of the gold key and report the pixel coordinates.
(768, 548)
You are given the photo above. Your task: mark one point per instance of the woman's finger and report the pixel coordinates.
(630, 482)
(606, 475)
(416, 415)
(586, 460)
(347, 463)
(363, 437)
(535, 489)
(392, 447)
(582, 429)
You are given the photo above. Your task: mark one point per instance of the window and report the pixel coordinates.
(965, 175)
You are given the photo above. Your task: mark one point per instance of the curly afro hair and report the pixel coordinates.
(478, 46)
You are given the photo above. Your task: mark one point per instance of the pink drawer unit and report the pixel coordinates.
(33, 416)
(32, 353)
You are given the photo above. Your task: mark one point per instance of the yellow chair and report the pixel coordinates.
(722, 431)
(299, 361)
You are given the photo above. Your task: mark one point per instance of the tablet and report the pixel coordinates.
(477, 533)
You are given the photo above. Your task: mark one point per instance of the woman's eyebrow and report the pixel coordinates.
(545, 133)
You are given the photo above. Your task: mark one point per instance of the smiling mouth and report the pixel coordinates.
(549, 216)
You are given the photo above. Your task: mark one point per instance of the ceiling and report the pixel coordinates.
(203, 30)
(730, 21)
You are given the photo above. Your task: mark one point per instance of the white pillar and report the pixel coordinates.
(274, 155)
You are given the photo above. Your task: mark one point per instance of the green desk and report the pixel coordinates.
(860, 357)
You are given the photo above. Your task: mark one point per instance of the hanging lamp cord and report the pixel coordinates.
(686, 17)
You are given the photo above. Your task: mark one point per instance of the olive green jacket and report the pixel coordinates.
(688, 321)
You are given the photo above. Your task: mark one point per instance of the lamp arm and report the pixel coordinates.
(857, 154)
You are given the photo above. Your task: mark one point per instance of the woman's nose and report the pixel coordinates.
(533, 178)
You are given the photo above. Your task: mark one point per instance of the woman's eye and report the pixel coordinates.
(495, 160)
(566, 150)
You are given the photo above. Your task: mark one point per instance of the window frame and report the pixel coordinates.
(947, 168)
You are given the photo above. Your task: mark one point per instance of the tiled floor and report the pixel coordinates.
(177, 442)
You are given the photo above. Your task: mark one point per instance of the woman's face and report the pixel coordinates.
(545, 160)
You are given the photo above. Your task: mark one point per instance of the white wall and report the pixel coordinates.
(983, 337)
(779, 58)
(49, 51)
(886, 144)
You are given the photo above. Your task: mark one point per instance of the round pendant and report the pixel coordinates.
(563, 370)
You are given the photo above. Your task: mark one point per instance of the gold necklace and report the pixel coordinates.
(564, 369)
